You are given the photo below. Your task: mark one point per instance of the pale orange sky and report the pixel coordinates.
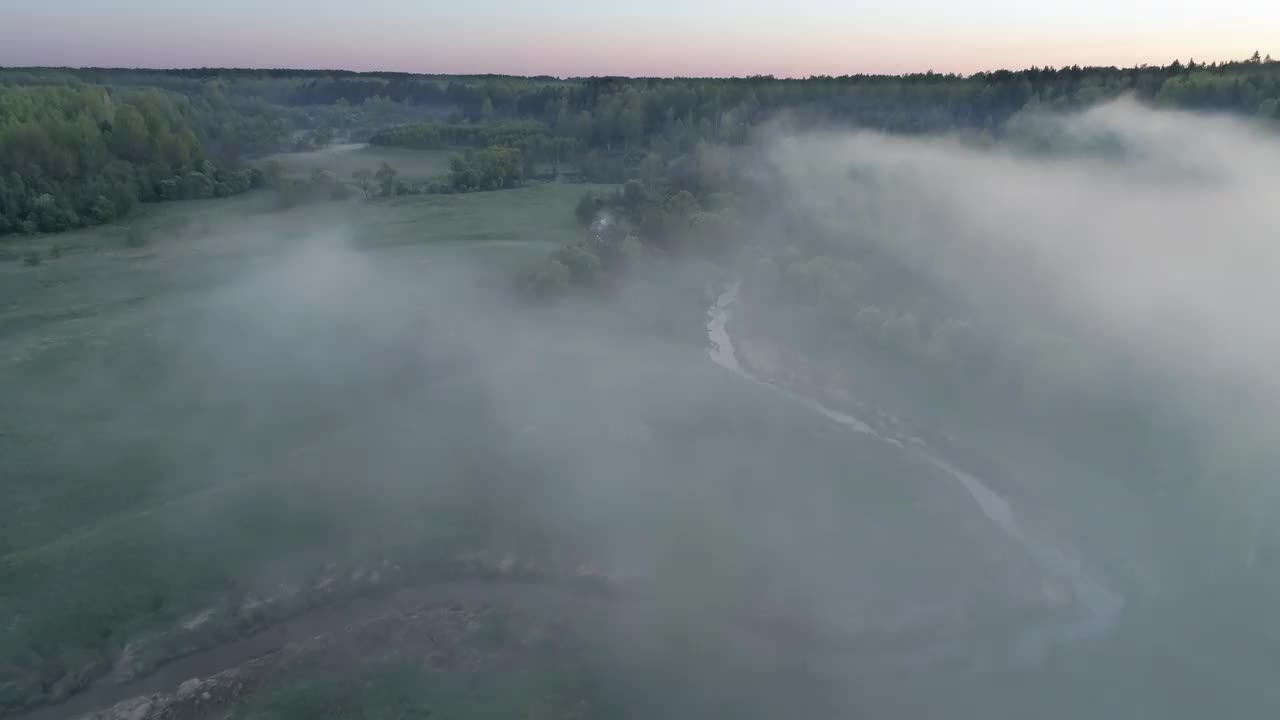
(630, 37)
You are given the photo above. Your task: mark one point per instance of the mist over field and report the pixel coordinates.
(1139, 238)
(622, 411)
(1145, 235)
(1153, 232)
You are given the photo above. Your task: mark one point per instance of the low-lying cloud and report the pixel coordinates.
(1161, 233)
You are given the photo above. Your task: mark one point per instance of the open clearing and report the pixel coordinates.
(342, 160)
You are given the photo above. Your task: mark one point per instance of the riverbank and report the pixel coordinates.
(1064, 583)
(440, 623)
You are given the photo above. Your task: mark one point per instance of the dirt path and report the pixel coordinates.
(361, 626)
(319, 622)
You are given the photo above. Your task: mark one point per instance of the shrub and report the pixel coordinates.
(492, 168)
(549, 279)
(588, 206)
(584, 265)
(50, 216)
(102, 210)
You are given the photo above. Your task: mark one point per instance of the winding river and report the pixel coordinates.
(1097, 606)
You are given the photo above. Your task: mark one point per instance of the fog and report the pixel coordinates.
(589, 438)
(373, 400)
(1157, 233)
(1146, 239)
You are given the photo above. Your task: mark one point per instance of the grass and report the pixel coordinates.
(187, 431)
(103, 310)
(342, 160)
(124, 512)
(533, 665)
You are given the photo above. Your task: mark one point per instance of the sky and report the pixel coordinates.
(634, 37)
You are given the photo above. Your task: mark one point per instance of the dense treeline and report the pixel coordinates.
(78, 156)
(84, 146)
(492, 168)
(916, 101)
(621, 110)
(435, 136)
(921, 101)
(75, 154)
(615, 129)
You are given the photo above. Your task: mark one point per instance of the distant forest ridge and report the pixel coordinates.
(88, 72)
(83, 146)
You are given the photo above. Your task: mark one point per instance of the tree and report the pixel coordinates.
(681, 206)
(102, 210)
(493, 168)
(635, 196)
(584, 265)
(463, 173)
(129, 137)
(386, 177)
(551, 278)
(364, 180)
(631, 121)
(49, 216)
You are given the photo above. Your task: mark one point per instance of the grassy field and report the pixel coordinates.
(225, 413)
(114, 517)
(342, 160)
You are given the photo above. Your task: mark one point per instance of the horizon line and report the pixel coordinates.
(568, 78)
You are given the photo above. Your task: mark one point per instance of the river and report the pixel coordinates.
(1098, 605)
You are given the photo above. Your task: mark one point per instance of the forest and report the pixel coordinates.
(83, 147)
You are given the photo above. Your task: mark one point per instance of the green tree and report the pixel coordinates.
(49, 216)
(681, 206)
(102, 210)
(492, 168)
(632, 122)
(386, 177)
(635, 196)
(584, 265)
(129, 136)
(551, 278)
(364, 180)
